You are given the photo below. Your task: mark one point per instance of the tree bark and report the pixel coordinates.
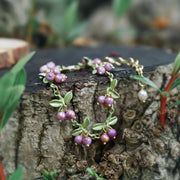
(35, 139)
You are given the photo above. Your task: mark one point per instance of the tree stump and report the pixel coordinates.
(11, 51)
(35, 139)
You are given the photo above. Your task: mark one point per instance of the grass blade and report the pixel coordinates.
(22, 62)
(174, 104)
(145, 81)
(14, 97)
(18, 174)
(176, 83)
(176, 67)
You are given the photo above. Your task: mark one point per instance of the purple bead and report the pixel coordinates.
(112, 133)
(78, 139)
(101, 99)
(59, 78)
(109, 101)
(43, 69)
(101, 70)
(70, 114)
(83, 61)
(61, 115)
(104, 138)
(50, 76)
(96, 61)
(56, 71)
(51, 65)
(108, 66)
(87, 141)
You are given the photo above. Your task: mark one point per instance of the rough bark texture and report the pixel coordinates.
(35, 139)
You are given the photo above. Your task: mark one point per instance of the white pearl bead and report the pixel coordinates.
(142, 95)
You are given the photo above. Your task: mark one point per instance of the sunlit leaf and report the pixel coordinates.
(18, 174)
(176, 83)
(11, 87)
(174, 104)
(176, 67)
(91, 171)
(46, 177)
(145, 81)
(6, 84)
(14, 97)
(22, 62)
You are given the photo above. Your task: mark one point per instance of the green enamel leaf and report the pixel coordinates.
(176, 83)
(76, 132)
(145, 81)
(113, 93)
(55, 103)
(86, 123)
(113, 83)
(42, 74)
(68, 97)
(88, 61)
(176, 67)
(112, 121)
(18, 174)
(98, 126)
(94, 71)
(45, 80)
(174, 104)
(52, 85)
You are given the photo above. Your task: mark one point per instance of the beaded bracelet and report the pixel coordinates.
(51, 74)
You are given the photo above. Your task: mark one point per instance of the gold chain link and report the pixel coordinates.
(129, 62)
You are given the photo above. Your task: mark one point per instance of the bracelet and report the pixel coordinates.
(52, 75)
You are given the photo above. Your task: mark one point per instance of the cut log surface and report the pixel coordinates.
(14, 50)
(35, 139)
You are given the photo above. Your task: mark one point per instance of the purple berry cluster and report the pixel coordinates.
(110, 134)
(85, 140)
(102, 68)
(70, 114)
(53, 73)
(107, 101)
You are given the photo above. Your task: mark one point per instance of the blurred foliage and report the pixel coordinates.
(12, 85)
(61, 24)
(120, 6)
